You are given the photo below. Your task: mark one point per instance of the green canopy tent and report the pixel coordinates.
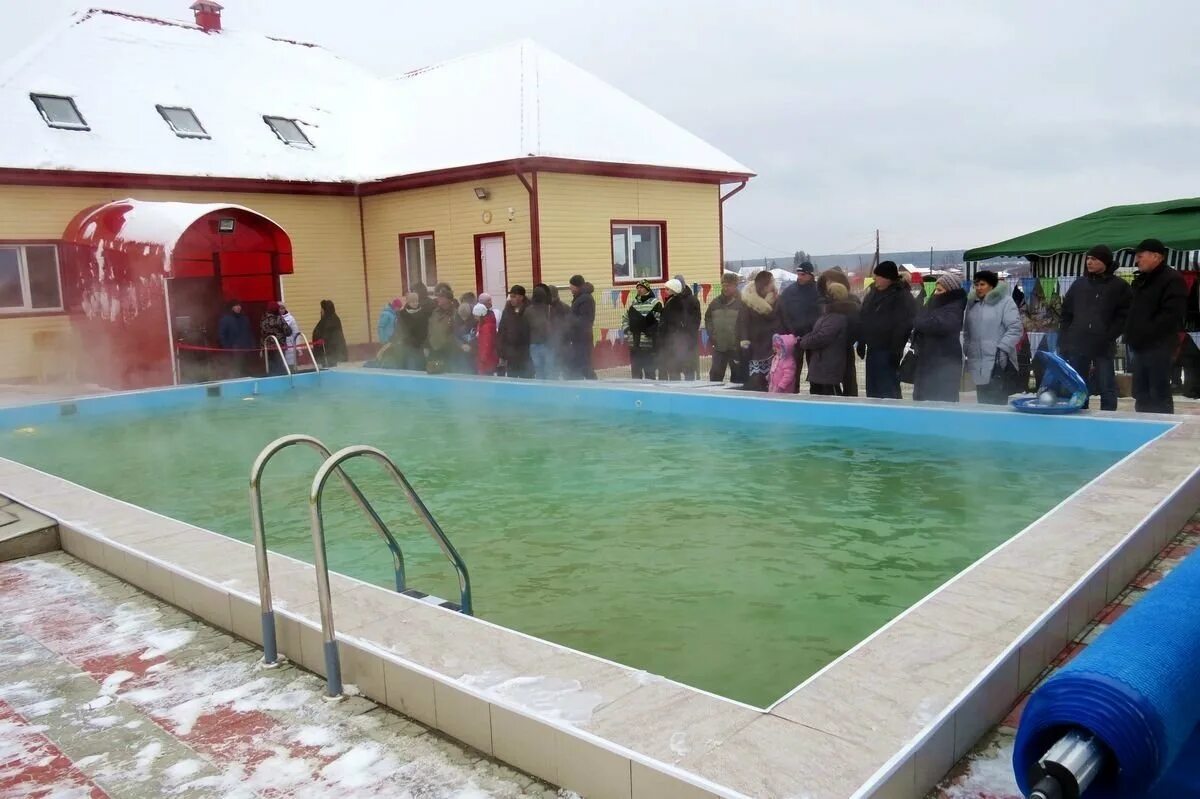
(1057, 251)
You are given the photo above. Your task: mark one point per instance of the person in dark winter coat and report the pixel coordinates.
(720, 322)
(937, 340)
(234, 333)
(884, 325)
(1156, 315)
(543, 326)
(443, 345)
(758, 324)
(329, 330)
(679, 326)
(690, 355)
(274, 330)
(799, 307)
(559, 317)
(514, 336)
(580, 322)
(848, 386)
(1094, 313)
(826, 342)
(640, 324)
(408, 343)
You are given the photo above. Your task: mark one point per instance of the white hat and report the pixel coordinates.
(479, 310)
(674, 286)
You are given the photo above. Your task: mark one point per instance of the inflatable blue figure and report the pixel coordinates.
(1062, 389)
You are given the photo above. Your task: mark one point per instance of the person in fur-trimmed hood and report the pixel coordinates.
(757, 324)
(991, 329)
(936, 340)
(826, 343)
(849, 382)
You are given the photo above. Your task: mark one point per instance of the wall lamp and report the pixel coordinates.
(481, 193)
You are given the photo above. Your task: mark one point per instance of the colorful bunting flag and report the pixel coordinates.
(1027, 286)
(1048, 285)
(1195, 338)
(1064, 283)
(1190, 279)
(706, 288)
(1052, 341)
(624, 298)
(929, 287)
(1128, 276)
(867, 282)
(598, 335)
(1035, 341)
(616, 298)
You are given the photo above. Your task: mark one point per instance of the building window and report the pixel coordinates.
(183, 121)
(59, 112)
(288, 131)
(419, 260)
(29, 278)
(638, 251)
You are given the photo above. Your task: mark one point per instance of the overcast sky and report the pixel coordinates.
(944, 124)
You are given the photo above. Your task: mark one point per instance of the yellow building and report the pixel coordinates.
(510, 166)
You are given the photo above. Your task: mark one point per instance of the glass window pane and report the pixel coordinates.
(42, 264)
(288, 130)
(647, 251)
(430, 261)
(184, 120)
(59, 111)
(412, 261)
(11, 295)
(620, 252)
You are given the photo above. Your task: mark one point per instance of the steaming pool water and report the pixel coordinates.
(735, 555)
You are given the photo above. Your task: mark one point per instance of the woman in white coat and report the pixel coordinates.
(991, 330)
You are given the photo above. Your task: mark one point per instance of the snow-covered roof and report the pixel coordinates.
(510, 102)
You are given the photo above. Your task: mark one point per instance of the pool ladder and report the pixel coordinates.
(283, 358)
(333, 463)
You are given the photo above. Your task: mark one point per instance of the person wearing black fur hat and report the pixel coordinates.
(1093, 316)
(884, 325)
(1152, 330)
(582, 318)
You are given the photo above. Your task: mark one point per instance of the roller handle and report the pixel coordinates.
(1068, 768)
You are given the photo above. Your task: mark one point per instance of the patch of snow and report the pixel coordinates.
(679, 744)
(104, 722)
(85, 763)
(41, 708)
(112, 683)
(554, 698)
(184, 769)
(183, 717)
(165, 641)
(990, 773)
(98, 702)
(145, 759)
(363, 765)
(314, 736)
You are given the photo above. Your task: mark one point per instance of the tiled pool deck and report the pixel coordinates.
(986, 773)
(887, 719)
(109, 692)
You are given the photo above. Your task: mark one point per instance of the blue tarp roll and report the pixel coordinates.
(1137, 689)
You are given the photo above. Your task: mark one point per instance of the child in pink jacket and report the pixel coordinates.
(783, 364)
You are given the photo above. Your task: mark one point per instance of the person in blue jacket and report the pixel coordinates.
(234, 334)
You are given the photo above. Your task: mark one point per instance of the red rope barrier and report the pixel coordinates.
(195, 348)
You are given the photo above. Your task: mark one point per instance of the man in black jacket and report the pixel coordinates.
(582, 319)
(884, 325)
(1152, 330)
(1094, 313)
(799, 307)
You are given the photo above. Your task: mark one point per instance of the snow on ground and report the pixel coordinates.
(120, 692)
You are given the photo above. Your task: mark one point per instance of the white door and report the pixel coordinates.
(495, 274)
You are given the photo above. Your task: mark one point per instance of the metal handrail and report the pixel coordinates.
(333, 673)
(308, 346)
(282, 357)
(270, 648)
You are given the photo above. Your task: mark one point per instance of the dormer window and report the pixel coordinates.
(288, 131)
(183, 121)
(59, 112)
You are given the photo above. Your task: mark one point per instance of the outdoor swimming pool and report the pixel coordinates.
(736, 549)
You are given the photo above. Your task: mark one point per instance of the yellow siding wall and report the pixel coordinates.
(455, 216)
(576, 210)
(326, 243)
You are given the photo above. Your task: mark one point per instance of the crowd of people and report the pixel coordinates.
(766, 339)
(278, 326)
(534, 334)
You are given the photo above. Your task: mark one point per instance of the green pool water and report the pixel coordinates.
(734, 557)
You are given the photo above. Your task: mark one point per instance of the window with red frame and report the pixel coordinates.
(637, 251)
(29, 278)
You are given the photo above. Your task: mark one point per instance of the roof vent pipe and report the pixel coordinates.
(208, 15)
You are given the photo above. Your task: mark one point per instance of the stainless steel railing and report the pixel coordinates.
(308, 346)
(333, 671)
(270, 648)
(267, 355)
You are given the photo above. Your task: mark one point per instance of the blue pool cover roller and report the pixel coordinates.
(1137, 690)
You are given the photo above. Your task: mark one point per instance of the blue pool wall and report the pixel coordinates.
(965, 423)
